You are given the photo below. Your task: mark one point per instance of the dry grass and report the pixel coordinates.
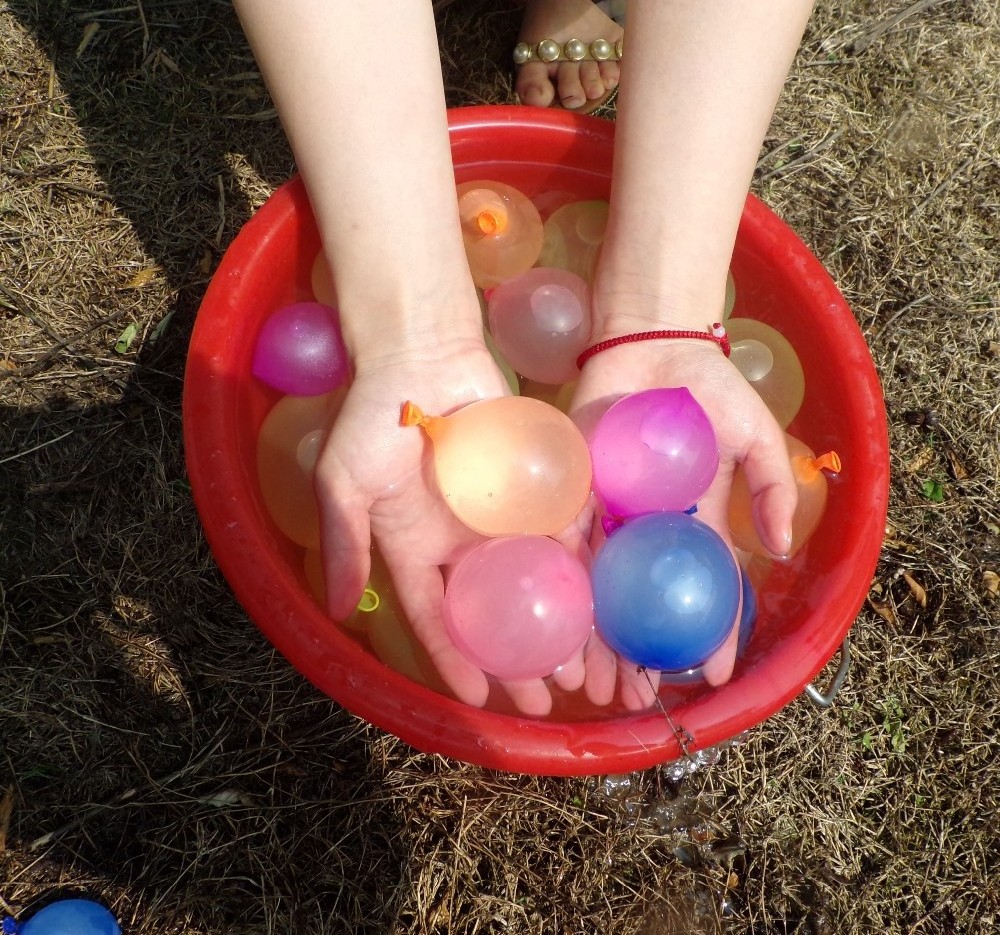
(158, 755)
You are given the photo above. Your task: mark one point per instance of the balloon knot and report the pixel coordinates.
(829, 462)
(9, 926)
(411, 414)
(611, 524)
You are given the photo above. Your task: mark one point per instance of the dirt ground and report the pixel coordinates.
(156, 753)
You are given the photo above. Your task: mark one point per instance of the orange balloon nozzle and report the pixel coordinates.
(411, 414)
(483, 213)
(808, 469)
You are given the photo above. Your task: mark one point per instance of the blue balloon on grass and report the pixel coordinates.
(67, 917)
(666, 591)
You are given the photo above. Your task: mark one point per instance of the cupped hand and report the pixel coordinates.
(747, 434)
(375, 480)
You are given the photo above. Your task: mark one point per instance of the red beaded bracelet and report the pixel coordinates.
(716, 334)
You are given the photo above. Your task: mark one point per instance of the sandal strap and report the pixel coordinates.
(572, 50)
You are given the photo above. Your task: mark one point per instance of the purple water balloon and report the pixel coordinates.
(300, 350)
(652, 451)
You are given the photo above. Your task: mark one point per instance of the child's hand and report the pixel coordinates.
(375, 479)
(746, 433)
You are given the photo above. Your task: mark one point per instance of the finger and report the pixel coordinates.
(773, 491)
(718, 668)
(345, 543)
(602, 671)
(571, 674)
(532, 696)
(420, 589)
(638, 686)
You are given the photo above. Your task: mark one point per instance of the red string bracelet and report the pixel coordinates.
(717, 333)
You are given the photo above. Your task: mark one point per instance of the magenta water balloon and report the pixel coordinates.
(70, 917)
(300, 350)
(540, 321)
(666, 591)
(519, 607)
(654, 450)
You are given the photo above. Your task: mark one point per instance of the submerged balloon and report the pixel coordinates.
(508, 466)
(321, 280)
(69, 917)
(288, 445)
(572, 237)
(540, 321)
(502, 231)
(300, 351)
(519, 607)
(730, 301)
(812, 486)
(666, 591)
(654, 450)
(501, 362)
(770, 365)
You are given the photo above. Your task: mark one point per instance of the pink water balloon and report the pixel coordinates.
(519, 607)
(540, 321)
(300, 351)
(501, 228)
(651, 451)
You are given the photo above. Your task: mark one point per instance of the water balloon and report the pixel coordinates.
(288, 446)
(572, 237)
(299, 350)
(321, 281)
(501, 228)
(519, 607)
(540, 321)
(808, 471)
(666, 591)
(770, 365)
(508, 466)
(653, 450)
(69, 917)
(730, 300)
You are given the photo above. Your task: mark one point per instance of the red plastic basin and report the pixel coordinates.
(806, 606)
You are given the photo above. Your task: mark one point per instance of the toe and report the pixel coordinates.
(591, 80)
(610, 72)
(534, 84)
(570, 89)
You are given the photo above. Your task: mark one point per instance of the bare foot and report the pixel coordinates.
(572, 84)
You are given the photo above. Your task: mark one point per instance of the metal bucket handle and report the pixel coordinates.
(825, 698)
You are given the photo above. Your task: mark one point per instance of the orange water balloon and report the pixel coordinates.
(508, 466)
(502, 231)
(288, 445)
(770, 365)
(808, 470)
(573, 236)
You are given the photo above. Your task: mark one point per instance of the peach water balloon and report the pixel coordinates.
(653, 450)
(573, 235)
(501, 228)
(540, 321)
(666, 591)
(288, 445)
(519, 607)
(770, 365)
(808, 470)
(508, 466)
(299, 350)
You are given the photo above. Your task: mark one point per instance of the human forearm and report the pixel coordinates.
(699, 84)
(372, 146)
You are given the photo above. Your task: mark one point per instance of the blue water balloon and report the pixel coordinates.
(666, 591)
(70, 917)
